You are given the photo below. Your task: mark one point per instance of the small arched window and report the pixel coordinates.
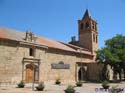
(87, 25)
(96, 39)
(81, 26)
(93, 25)
(31, 52)
(93, 37)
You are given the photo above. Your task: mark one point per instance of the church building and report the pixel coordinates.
(32, 58)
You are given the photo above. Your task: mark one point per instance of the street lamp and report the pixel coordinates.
(33, 80)
(81, 65)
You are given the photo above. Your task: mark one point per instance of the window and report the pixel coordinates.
(93, 25)
(96, 39)
(87, 25)
(93, 37)
(81, 26)
(31, 52)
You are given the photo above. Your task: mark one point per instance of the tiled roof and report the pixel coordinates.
(14, 35)
(2, 35)
(74, 46)
(55, 44)
(20, 36)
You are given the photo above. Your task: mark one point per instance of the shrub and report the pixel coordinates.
(70, 89)
(79, 83)
(105, 84)
(115, 89)
(21, 84)
(58, 82)
(40, 87)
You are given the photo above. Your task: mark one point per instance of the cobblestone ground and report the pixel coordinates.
(86, 88)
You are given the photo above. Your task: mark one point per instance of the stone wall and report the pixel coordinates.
(50, 56)
(10, 61)
(12, 54)
(94, 71)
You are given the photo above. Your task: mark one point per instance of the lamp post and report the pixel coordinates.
(33, 78)
(81, 65)
(22, 69)
(33, 37)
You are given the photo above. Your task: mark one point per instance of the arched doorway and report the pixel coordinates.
(32, 73)
(82, 74)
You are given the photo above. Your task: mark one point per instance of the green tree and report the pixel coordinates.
(113, 54)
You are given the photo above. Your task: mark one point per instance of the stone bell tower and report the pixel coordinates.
(88, 32)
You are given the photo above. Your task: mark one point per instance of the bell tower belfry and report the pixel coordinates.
(88, 33)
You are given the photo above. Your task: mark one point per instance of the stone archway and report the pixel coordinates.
(81, 74)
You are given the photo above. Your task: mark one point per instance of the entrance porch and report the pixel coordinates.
(30, 70)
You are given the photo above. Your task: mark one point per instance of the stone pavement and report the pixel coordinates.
(86, 88)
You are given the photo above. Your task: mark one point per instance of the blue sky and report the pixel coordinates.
(57, 19)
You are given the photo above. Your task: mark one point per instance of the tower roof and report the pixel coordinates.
(87, 14)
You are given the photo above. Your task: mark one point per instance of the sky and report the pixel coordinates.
(58, 19)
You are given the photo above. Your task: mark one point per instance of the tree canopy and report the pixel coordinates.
(114, 50)
(113, 54)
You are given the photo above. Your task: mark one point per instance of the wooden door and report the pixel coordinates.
(29, 73)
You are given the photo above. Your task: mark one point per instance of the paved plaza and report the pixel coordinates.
(86, 88)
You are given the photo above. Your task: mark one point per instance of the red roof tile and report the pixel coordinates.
(19, 36)
(54, 44)
(3, 35)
